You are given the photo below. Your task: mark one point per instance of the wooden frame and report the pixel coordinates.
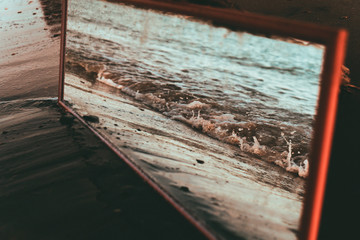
(334, 41)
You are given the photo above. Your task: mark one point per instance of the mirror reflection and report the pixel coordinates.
(219, 119)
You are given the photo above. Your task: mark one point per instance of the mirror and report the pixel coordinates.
(220, 119)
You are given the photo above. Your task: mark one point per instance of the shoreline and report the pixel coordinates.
(211, 172)
(231, 127)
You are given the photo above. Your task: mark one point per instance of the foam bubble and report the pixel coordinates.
(109, 82)
(196, 105)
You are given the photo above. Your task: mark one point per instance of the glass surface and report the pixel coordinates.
(220, 119)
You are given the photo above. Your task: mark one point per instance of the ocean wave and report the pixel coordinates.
(285, 144)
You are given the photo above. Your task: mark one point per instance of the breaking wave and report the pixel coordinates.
(281, 143)
(219, 82)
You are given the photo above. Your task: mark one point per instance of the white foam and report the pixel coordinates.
(287, 163)
(304, 171)
(214, 127)
(225, 117)
(110, 82)
(197, 105)
(257, 148)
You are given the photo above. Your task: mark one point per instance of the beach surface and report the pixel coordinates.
(60, 182)
(232, 194)
(29, 51)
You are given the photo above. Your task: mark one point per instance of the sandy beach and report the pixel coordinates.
(222, 190)
(58, 181)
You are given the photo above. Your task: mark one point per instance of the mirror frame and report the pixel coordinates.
(334, 41)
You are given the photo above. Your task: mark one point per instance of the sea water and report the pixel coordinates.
(255, 92)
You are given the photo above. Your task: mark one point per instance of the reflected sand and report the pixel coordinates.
(214, 181)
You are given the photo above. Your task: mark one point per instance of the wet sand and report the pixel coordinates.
(29, 52)
(55, 204)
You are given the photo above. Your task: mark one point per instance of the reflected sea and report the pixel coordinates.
(254, 92)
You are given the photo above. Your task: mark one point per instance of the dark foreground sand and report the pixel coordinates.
(57, 181)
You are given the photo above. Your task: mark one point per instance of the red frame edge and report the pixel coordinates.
(62, 51)
(323, 136)
(335, 43)
(132, 165)
(144, 176)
